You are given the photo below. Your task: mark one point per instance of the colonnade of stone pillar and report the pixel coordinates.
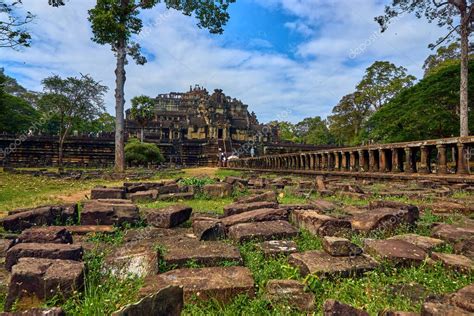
(440, 158)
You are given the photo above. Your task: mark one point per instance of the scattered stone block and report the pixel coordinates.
(54, 311)
(206, 228)
(324, 265)
(133, 259)
(217, 190)
(107, 193)
(46, 234)
(238, 208)
(396, 251)
(219, 283)
(166, 302)
(109, 213)
(415, 292)
(319, 224)
(323, 206)
(398, 313)
(261, 215)
(181, 251)
(41, 279)
(456, 262)
(335, 308)
(81, 230)
(167, 217)
(168, 189)
(234, 180)
(306, 185)
(452, 233)
(465, 247)
(290, 293)
(176, 196)
(425, 243)
(353, 188)
(262, 231)
(464, 298)
(273, 248)
(269, 196)
(144, 196)
(48, 251)
(20, 220)
(383, 219)
(5, 244)
(321, 184)
(340, 247)
(442, 307)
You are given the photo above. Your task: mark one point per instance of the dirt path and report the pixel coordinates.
(205, 171)
(74, 197)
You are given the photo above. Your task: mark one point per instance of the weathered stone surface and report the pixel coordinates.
(220, 283)
(261, 215)
(5, 244)
(452, 233)
(45, 215)
(383, 219)
(46, 234)
(133, 259)
(40, 279)
(178, 251)
(335, 308)
(290, 293)
(396, 251)
(426, 243)
(262, 231)
(217, 190)
(168, 188)
(144, 196)
(167, 217)
(321, 184)
(273, 248)
(107, 193)
(234, 180)
(320, 224)
(415, 292)
(269, 196)
(238, 208)
(108, 213)
(442, 307)
(48, 251)
(54, 311)
(465, 247)
(455, 262)
(323, 206)
(176, 196)
(398, 313)
(306, 185)
(87, 229)
(206, 228)
(353, 188)
(464, 298)
(324, 265)
(340, 247)
(394, 204)
(166, 302)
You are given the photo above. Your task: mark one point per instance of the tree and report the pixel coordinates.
(407, 117)
(115, 21)
(286, 131)
(70, 100)
(141, 154)
(142, 112)
(314, 131)
(383, 81)
(446, 13)
(348, 117)
(12, 32)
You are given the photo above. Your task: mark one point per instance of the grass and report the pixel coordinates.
(200, 205)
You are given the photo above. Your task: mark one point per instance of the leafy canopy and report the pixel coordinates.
(12, 31)
(142, 109)
(140, 154)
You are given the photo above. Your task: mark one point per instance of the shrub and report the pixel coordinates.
(137, 153)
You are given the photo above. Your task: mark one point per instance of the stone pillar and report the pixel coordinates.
(382, 161)
(408, 165)
(424, 160)
(343, 161)
(337, 161)
(352, 161)
(363, 166)
(395, 160)
(442, 161)
(462, 163)
(373, 167)
(324, 163)
(330, 162)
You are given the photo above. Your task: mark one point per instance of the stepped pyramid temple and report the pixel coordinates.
(190, 128)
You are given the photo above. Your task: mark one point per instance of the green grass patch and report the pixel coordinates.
(201, 204)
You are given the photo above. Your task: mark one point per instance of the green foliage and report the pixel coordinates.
(197, 182)
(314, 131)
(12, 31)
(425, 111)
(16, 115)
(141, 154)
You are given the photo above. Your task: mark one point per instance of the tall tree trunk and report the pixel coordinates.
(141, 134)
(60, 152)
(119, 108)
(463, 109)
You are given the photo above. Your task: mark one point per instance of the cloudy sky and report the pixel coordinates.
(286, 59)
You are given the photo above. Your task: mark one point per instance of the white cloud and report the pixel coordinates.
(271, 83)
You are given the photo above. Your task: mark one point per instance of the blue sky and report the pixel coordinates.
(286, 59)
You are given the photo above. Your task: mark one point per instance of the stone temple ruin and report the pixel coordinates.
(189, 128)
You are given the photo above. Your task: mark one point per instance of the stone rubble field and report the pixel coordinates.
(285, 245)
